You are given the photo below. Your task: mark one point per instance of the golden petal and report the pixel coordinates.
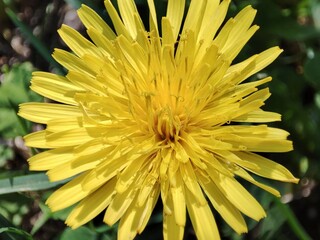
(72, 62)
(92, 205)
(171, 230)
(128, 11)
(268, 168)
(37, 139)
(178, 200)
(240, 197)
(116, 20)
(242, 173)
(153, 22)
(226, 209)
(68, 194)
(119, 205)
(77, 43)
(44, 112)
(72, 137)
(175, 12)
(50, 159)
(92, 20)
(54, 87)
(202, 219)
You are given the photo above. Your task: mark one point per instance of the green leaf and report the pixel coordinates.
(9, 232)
(14, 89)
(79, 233)
(25, 183)
(15, 85)
(9, 124)
(18, 234)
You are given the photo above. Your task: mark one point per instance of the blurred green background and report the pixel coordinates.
(28, 35)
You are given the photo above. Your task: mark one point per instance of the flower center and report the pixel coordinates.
(167, 126)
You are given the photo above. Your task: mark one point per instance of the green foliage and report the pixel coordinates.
(13, 207)
(82, 232)
(15, 90)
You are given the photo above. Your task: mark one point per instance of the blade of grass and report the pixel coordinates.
(9, 232)
(31, 182)
(37, 44)
(18, 234)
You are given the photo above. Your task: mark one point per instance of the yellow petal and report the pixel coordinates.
(268, 168)
(75, 166)
(212, 19)
(54, 87)
(233, 50)
(63, 124)
(87, 82)
(71, 137)
(77, 43)
(68, 194)
(153, 22)
(230, 158)
(202, 219)
(148, 208)
(37, 139)
(105, 171)
(92, 205)
(262, 60)
(127, 176)
(175, 13)
(128, 223)
(213, 165)
(94, 62)
(242, 173)
(136, 217)
(258, 116)
(128, 11)
(255, 138)
(103, 43)
(223, 206)
(240, 197)
(50, 159)
(135, 55)
(259, 144)
(150, 180)
(119, 205)
(178, 200)
(171, 230)
(194, 16)
(167, 33)
(116, 20)
(91, 19)
(191, 182)
(44, 112)
(72, 62)
(243, 21)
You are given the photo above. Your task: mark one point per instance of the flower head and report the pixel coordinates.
(147, 115)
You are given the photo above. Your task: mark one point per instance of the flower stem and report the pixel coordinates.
(293, 221)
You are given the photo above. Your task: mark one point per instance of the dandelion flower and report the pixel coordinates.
(164, 113)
